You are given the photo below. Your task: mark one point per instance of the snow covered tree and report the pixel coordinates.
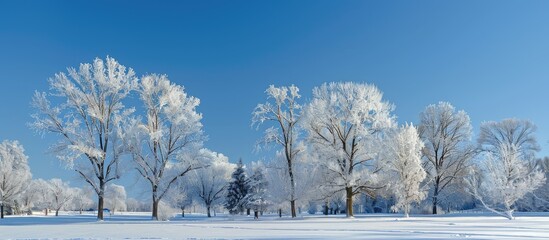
(257, 198)
(115, 197)
(15, 175)
(30, 196)
(503, 179)
(210, 183)
(43, 199)
(132, 205)
(182, 195)
(538, 200)
(86, 119)
(283, 113)
(60, 194)
(448, 151)
(237, 190)
(278, 177)
(505, 175)
(163, 145)
(82, 199)
(403, 153)
(345, 122)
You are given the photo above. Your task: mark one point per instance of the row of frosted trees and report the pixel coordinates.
(344, 141)
(347, 134)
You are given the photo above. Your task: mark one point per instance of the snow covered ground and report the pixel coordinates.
(378, 226)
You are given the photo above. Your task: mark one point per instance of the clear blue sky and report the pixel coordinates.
(490, 58)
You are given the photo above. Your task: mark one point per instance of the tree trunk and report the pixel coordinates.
(435, 196)
(279, 212)
(100, 200)
(292, 188)
(100, 206)
(57, 212)
(155, 209)
(349, 211)
(2, 211)
(292, 205)
(247, 211)
(208, 209)
(435, 202)
(326, 208)
(256, 214)
(46, 212)
(182, 212)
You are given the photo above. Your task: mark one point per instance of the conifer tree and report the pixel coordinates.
(237, 190)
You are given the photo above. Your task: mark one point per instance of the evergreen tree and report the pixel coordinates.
(237, 190)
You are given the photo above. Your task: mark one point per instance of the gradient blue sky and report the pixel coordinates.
(490, 58)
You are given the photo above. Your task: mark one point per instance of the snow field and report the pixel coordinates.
(378, 226)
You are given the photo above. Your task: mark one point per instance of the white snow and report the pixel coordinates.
(371, 226)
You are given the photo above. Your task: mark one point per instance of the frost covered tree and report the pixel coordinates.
(403, 153)
(539, 199)
(43, 199)
(115, 196)
(237, 190)
(210, 183)
(505, 176)
(502, 179)
(82, 199)
(257, 198)
(30, 196)
(163, 145)
(132, 205)
(345, 122)
(283, 112)
(86, 111)
(448, 150)
(182, 195)
(279, 187)
(60, 194)
(15, 175)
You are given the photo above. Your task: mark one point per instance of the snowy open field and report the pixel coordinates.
(379, 226)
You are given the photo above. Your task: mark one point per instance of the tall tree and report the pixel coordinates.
(283, 112)
(448, 150)
(163, 145)
(403, 153)
(210, 183)
(86, 119)
(15, 175)
(345, 122)
(237, 190)
(506, 175)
